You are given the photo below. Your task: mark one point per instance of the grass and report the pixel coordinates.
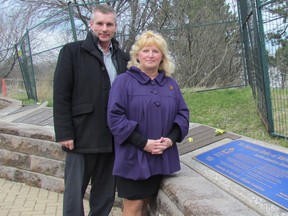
(232, 110)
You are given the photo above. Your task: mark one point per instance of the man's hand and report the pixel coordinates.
(68, 144)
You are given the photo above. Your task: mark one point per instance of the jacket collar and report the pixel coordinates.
(144, 79)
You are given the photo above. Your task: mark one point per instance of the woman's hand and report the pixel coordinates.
(158, 146)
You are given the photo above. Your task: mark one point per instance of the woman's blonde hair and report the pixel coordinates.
(149, 38)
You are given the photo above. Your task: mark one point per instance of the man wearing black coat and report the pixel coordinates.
(83, 77)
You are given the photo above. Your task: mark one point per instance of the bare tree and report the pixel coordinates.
(13, 24)
(207, 46)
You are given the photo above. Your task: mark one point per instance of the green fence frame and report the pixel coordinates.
(25, 60)
(257, 66)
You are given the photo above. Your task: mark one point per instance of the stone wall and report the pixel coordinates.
(29, 155)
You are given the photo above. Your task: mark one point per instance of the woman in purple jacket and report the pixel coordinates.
(147, 116)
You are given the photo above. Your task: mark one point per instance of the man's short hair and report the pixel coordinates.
(103, 8)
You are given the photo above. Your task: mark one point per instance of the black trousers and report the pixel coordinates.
(80, 169)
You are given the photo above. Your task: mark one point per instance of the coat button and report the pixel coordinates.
(154, 92)
(157, 103)
(103, 68)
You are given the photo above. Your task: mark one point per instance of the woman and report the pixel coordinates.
(147, 116)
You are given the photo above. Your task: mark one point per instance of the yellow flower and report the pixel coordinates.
(190, 139)
(219, 131)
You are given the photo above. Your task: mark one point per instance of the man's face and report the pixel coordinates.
(104, 26)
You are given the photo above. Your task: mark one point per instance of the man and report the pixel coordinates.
(83, 77)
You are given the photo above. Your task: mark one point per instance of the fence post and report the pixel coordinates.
(72, 21)
(25, 60)
(264, 66)
(242, 13)
(4, 90)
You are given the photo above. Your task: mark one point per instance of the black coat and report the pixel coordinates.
(81, 91)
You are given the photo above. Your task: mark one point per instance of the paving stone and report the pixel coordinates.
(21, 199)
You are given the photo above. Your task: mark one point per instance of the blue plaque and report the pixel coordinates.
(260, 169)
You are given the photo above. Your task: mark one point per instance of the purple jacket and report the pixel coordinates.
(151, 107)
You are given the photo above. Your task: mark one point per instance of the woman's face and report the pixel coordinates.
(149, 58)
